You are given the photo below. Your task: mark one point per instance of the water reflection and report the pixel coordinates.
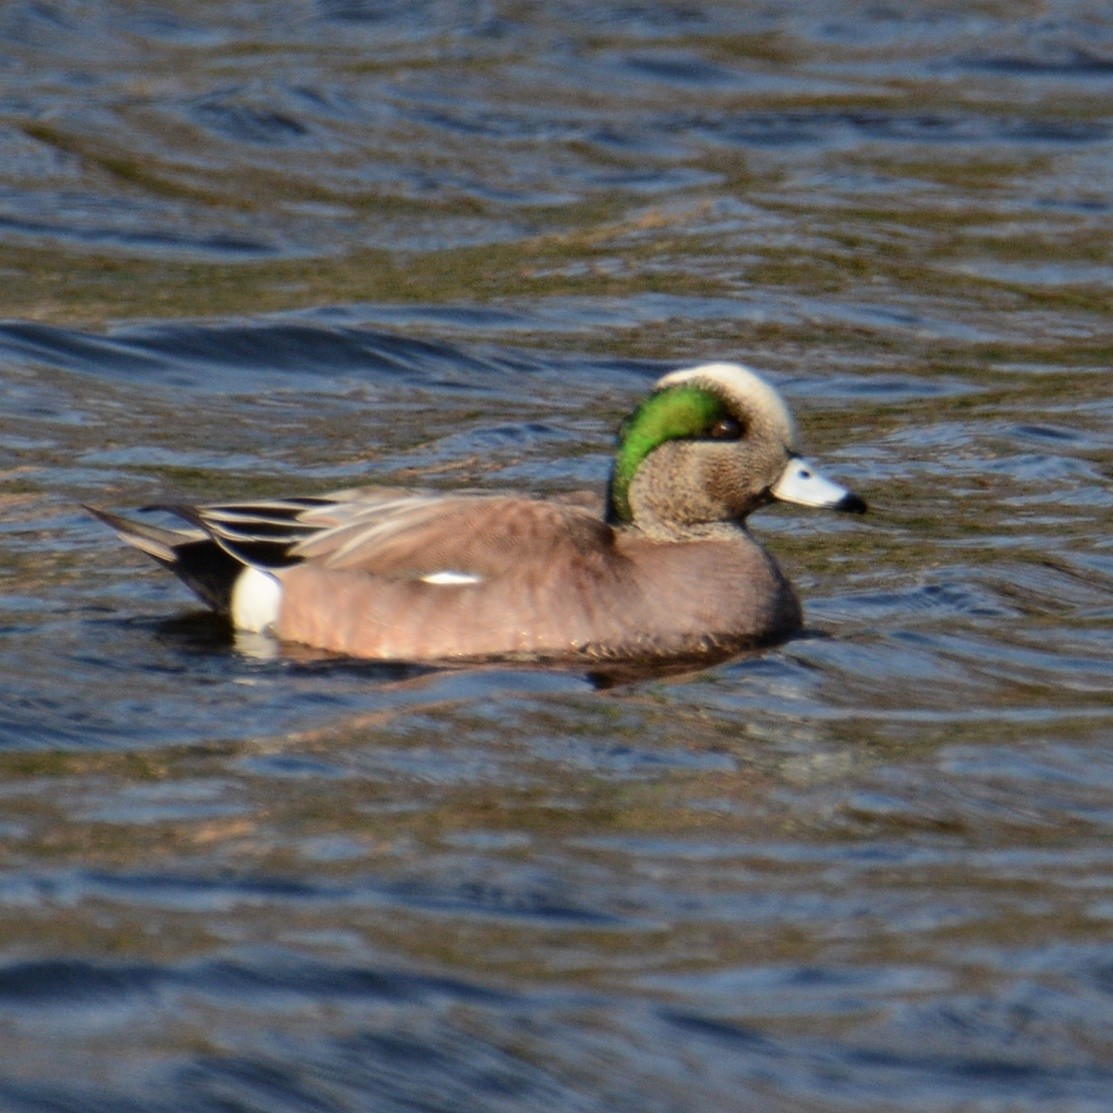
(447, 244)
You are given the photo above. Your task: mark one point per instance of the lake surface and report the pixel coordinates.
(256, 248)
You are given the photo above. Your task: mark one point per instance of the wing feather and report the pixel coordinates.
(402, 534)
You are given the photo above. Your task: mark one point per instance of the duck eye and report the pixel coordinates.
(726, 429)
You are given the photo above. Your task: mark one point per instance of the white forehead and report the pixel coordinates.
(735, 381)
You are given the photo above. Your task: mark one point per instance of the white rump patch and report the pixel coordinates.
(255, 600)
(449, 578)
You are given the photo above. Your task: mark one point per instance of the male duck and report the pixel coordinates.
(670, 572)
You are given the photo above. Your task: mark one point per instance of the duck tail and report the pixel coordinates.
(191, 554)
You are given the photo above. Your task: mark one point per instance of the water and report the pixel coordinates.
(260, 247)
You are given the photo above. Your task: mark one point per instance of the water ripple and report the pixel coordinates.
(264, 247)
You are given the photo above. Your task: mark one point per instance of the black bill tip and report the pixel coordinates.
(851, 503)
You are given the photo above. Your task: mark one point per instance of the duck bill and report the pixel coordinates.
(802, 484)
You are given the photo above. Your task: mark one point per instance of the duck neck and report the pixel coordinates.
(618, 508)
(621, 516)
(675, 532)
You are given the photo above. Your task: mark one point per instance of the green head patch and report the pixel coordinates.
(673, 414)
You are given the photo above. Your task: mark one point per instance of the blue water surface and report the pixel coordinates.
(263, 248)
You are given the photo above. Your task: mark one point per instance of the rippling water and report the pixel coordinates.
(254, 247)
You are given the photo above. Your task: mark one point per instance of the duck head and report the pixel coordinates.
(709, 445)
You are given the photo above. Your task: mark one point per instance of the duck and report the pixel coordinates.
(668, 570)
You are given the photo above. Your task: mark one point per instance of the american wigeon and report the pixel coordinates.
(669, 572)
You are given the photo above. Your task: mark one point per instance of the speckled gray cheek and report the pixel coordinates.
(687, 487)
(766, 447)
(733, 480)
(668, 490)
